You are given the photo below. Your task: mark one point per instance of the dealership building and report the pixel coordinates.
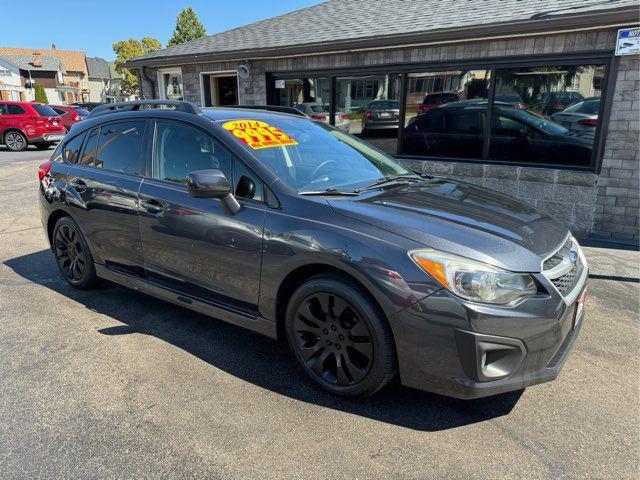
(547, 92)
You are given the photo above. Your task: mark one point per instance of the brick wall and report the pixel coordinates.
(605, 206)
(616, 209)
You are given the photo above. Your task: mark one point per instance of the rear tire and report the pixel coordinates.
(72, 253)
(340, 337)
(15, 141)
(43, 146)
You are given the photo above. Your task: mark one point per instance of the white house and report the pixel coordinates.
(10, 82)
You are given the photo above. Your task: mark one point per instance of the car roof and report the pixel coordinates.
(221, 113)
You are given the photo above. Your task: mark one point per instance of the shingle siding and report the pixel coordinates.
(578, 199)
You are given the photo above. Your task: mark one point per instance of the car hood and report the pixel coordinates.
(460, 218)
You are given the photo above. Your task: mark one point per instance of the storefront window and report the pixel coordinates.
(444, 113)
(369, 107)
(546, 114)
(170, 83)
(309, 95)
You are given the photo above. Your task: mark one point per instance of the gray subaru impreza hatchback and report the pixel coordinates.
(296, 230)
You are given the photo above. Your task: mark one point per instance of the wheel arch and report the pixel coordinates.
(301, 274)
(14, 129)
(52, 220)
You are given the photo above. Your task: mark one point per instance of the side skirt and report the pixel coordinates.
(250, 322)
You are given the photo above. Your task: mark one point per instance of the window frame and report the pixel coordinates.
(150, 149)
(593, 57)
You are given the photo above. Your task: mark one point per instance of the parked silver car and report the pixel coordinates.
(581, 117)
(320, 111)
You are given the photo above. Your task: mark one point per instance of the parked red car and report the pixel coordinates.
(29, 123)
(70, 115)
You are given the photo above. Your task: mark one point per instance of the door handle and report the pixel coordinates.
(152, 206)
(79, 185)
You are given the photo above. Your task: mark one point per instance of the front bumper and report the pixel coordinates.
(455, 348)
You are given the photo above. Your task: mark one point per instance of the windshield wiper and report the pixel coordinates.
(330, 191)
(391, 179)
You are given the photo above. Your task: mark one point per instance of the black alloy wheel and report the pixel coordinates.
(340, 336)
(72, 254)
(333, 340)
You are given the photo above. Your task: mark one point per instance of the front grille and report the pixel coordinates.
(566, 282)
(564, 267)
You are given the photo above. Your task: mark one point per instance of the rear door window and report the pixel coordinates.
(119, 146)
(15, 110)
(462, 122)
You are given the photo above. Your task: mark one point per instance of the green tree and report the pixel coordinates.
(40, 94)
(126, 50)
(188, 28)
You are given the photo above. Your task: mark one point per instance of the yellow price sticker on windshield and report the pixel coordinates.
(258, 134)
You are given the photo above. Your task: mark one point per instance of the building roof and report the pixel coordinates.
(344, 24)
(50, 63)
(73, 60)
(98, 67)
(113, 72)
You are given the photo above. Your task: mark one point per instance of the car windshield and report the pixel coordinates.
(44, 110)
(310, 155)
(590, 107)
(537, 122)
(384, 105)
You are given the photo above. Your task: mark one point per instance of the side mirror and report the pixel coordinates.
(212, 183)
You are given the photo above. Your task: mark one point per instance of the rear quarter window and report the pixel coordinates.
(44, 110)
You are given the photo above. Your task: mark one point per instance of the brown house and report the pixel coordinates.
(74, 84)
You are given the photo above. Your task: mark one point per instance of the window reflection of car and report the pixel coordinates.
(322, 112)
(512, 99)
(581, 117)
(456, 131)
(548, 103)
(435, 100)
(381, 115)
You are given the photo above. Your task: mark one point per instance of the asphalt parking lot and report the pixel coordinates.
(115, 384)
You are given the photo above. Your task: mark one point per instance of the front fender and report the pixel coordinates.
(376, 258)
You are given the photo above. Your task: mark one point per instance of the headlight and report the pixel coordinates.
(471, 280)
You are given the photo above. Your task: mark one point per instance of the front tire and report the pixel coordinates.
(340, 337)
(16, 141)
(72, 253)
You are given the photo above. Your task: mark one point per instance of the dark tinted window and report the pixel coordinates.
(91, 147)
(15, 110)
(385, 105)
(119, 146)
(430, 122)
(247, 184)
(59, 111)
(71, 149)
(462, 122)
(44, 110)
(181, 149)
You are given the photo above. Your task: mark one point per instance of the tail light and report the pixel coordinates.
(558, 104)
(422, 107)
(344, 116)
(588, 122)
(521, 106)
(368, 116)
(77, 118)
(322, 118)
(405, 136)
(43, 169)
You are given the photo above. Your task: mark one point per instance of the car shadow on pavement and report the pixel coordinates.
(253, 358)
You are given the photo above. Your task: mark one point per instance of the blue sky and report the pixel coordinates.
(93, 26)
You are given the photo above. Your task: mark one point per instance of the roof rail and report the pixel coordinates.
(180, 105)
(271, 108)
